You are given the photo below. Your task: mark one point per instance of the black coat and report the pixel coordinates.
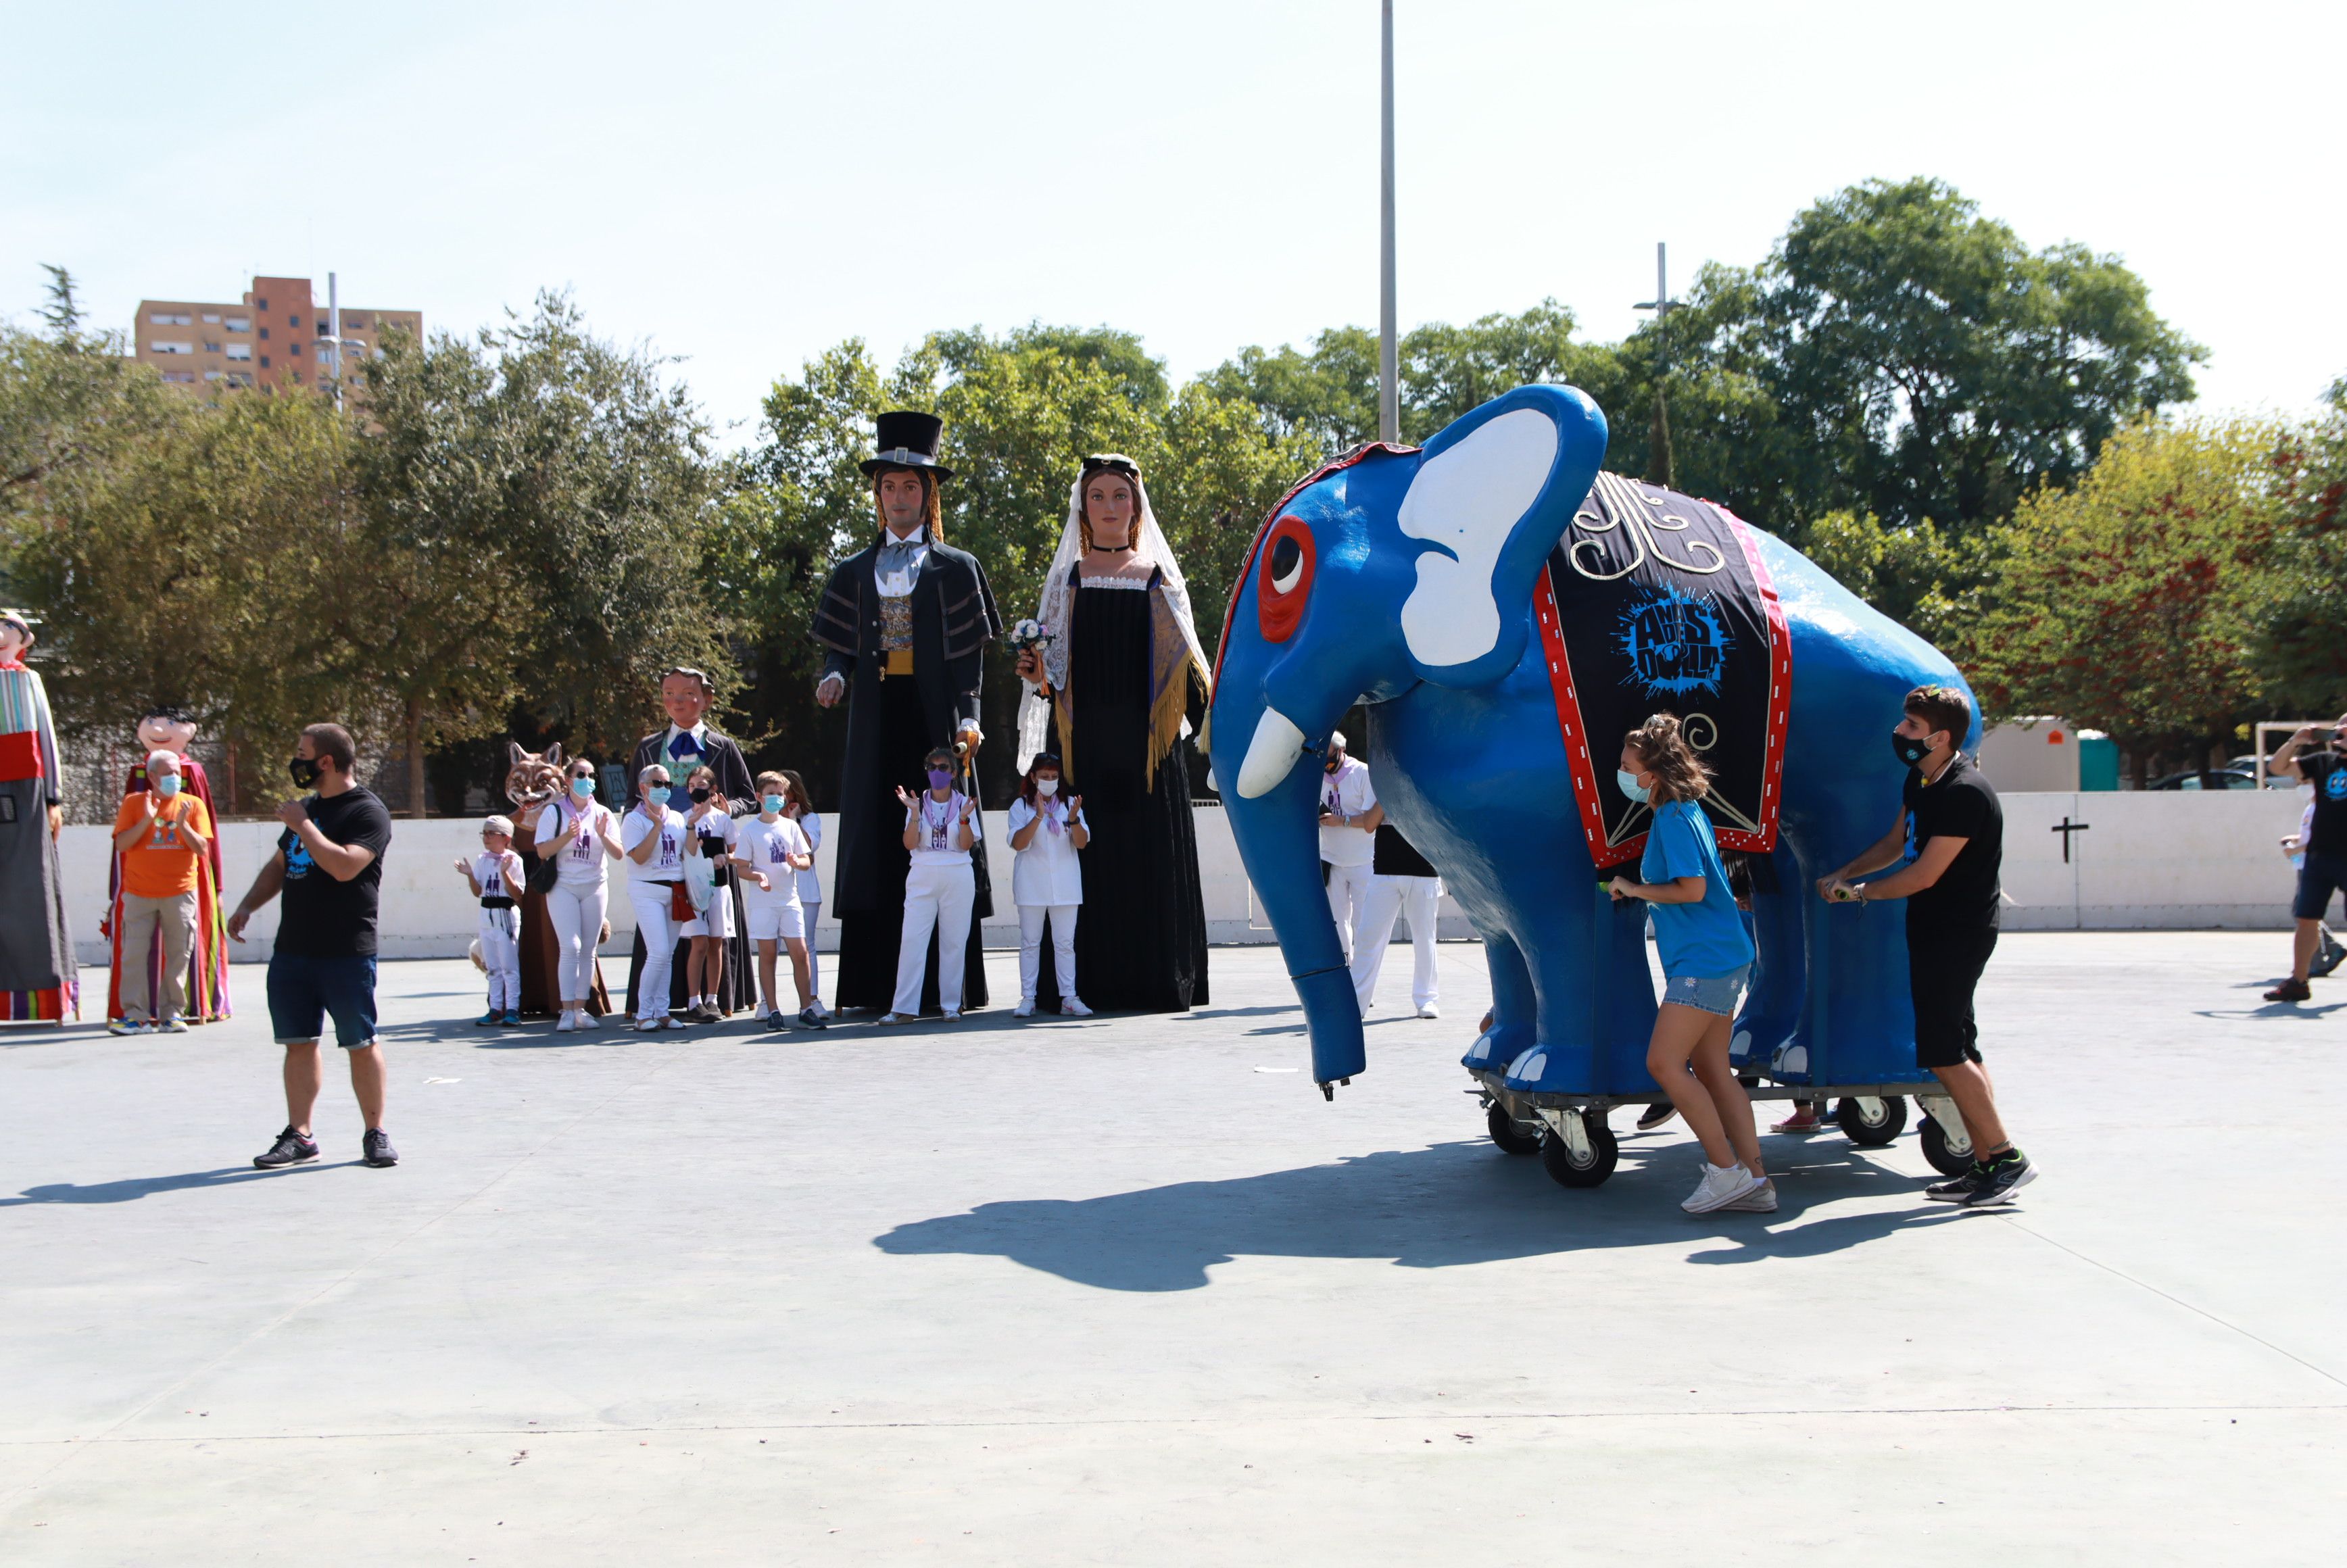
(954, 619)
(718, 752)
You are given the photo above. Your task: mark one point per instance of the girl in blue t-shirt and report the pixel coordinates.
(1706, 959)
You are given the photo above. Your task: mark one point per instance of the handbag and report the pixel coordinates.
(679, 904)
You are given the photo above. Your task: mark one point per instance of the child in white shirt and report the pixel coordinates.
(495, 876)
(800, 810)
(656, 841)
(714, 830)
(771, 851)
(940, 890)
(1047, 881)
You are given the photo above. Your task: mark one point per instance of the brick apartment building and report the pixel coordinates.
(280, 336)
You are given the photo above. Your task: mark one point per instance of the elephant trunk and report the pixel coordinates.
(1278, 838)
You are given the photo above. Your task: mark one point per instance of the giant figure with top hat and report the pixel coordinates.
(904, 623)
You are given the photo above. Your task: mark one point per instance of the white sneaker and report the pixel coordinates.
(898, 1018)
(562, 1024)
(1026, 1008)
(952, 1015)
(1721, 1186)
(651, 1025)
(672, 1021)
(1074, 1007)
(1429, 1011)
(1760, 1200)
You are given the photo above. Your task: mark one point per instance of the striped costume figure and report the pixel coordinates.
(38, 980)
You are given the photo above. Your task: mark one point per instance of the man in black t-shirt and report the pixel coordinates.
(1952, 892)
(2325, 870)
(329, 866)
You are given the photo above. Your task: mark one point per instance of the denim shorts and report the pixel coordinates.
(303, 991)
(1708, 993)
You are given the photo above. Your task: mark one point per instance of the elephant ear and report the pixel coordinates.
(1493, 494)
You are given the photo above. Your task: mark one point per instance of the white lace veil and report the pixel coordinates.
(1034, 712)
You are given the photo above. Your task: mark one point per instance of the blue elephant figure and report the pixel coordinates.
(1406, 579)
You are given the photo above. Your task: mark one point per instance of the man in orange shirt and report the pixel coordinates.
(161, 834)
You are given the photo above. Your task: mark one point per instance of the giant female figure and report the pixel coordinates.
(1116, 692)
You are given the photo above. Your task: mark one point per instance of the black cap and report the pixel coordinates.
(908, 440)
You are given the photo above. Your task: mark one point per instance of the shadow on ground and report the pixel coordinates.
(1441, 1207)
(134, 1188)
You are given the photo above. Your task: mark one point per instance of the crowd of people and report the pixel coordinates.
(720, 865)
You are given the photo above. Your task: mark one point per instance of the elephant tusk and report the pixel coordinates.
(1273, 752)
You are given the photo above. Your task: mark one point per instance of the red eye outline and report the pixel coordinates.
(1280, 609)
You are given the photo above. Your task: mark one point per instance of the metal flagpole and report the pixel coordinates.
(1388, 353)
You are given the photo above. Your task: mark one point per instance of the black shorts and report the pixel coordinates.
(1942, 971)
(2320, 879)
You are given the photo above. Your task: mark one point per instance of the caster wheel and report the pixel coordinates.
(1510, 1135)
(1943, 1159)
(1569, 1170)
(1873, 1131)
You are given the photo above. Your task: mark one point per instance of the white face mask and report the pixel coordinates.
(1047, 788)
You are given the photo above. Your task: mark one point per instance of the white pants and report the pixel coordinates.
(1422, 898)
(649, 901)
(577, 917)
(813, 912)
(1063, 947)
(501, 953)
(1346, 886)
(938, 899)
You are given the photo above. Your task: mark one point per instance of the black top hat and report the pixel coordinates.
(908, 440)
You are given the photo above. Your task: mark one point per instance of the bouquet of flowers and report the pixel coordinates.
(1030, 634)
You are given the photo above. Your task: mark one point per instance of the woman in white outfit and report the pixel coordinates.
(800, 809)
(1047, 881)
(940, 890)
(654, 838)
(581, 838)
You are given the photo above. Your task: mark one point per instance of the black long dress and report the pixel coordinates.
(1140, 941)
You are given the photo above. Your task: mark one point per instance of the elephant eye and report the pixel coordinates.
(1287, 565)
(1284, 585)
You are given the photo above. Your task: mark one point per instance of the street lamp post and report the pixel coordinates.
(1658, 460)
(1389, 352)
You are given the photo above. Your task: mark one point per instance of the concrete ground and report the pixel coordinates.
(1126, 1290)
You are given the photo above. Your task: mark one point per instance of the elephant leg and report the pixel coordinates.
(1772, 1007)
(1597, 995)
(1515, 1006)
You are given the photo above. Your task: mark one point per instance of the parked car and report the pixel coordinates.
(2209, 778)
(2248, 765)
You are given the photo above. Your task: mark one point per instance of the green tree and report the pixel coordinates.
(1920, 577)
(205, 565)
(2295, 640)
(1921, 362)
(544, 531)
(1326, 396)
(2126, 604)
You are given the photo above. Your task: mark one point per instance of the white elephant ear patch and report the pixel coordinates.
(1468, 500)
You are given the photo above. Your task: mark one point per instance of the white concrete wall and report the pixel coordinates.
(2170, 860)
(2166, 859)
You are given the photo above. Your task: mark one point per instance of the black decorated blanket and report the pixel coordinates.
(1655, 602)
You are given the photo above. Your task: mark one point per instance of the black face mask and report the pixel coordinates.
(304, 771)
(1909, 750)
(1331, 765)
(700, 795)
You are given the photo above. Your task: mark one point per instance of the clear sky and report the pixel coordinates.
(741, 186)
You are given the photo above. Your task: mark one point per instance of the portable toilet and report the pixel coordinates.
(2036, 754)
(2098, 761)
